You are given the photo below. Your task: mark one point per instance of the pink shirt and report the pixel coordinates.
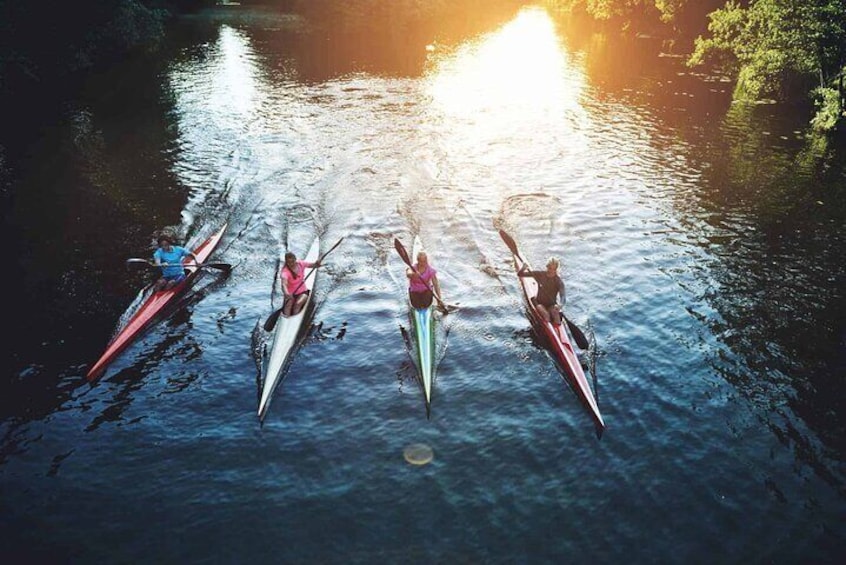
(416, 285)
(290, 281)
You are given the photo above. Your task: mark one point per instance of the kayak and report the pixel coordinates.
(559, 340)
(423, 323)
(285, 335)
(153, 305)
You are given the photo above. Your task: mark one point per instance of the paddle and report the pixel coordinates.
(407, 260)
(578, 335)
(272, 319)
(221, 266)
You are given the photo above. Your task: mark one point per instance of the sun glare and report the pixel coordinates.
(519, 72)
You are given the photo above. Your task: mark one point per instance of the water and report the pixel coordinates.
(701, 245)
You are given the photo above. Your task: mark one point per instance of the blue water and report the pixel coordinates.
(685, 228)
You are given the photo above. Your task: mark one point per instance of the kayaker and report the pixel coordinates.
(421, 280)
(169, 257)
(550, 286)
(292, 277)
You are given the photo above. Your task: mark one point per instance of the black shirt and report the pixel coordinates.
(548, 287)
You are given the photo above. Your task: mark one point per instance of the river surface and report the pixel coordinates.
(702, 245)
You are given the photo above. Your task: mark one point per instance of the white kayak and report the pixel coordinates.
(285, 337)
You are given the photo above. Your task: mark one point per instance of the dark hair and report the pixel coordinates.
(290, 255)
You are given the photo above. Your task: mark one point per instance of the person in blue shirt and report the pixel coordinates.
(169, 257)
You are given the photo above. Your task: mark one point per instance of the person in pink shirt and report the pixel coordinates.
(421, 280)
(292, 277)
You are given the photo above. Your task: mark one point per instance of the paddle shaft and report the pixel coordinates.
(225, 266)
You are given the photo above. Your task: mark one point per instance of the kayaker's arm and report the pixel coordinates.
(561, 292)
(283, 282)
(437, 286)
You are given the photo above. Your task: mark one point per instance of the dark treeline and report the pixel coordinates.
(786, 50)
(42, 44)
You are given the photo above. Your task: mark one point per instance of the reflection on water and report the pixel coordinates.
(220, 94)
(234, 76)
(505, 105)
(518, 73)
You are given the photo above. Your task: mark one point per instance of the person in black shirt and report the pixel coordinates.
(550, 287)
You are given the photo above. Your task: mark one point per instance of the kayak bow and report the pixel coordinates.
(558, 338)
(153, 305)
(285, 338)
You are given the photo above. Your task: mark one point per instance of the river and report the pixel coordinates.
(701, 243)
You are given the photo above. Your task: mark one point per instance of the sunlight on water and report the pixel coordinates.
(518, 74)
(235, 73)
(225, 83)
(219, 94)
(507, 103)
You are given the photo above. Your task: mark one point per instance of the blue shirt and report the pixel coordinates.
(174, 257)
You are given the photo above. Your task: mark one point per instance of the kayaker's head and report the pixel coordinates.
(552, 266)
(165, 240)
(422, 260)
(290, 260)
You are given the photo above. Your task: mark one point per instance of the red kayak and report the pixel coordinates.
(153, 305)
(558, 338)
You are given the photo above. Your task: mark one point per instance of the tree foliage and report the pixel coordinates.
(785, 50)
(780, 49)
(42, 42)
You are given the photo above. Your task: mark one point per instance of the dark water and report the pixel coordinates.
(702, 246)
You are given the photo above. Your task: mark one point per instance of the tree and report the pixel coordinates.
(780, 49)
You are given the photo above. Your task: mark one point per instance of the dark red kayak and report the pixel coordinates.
(153, 305)
(558, 338)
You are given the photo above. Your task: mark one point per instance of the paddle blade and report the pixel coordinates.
(445, 308)
(578, 335)
(402, 251)
(509, 241)
(220, 266)
(136, 260)
(270, 323)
